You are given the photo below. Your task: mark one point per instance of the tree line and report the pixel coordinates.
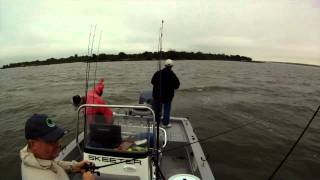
(175, 55)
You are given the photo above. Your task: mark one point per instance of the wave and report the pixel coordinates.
(226, 90)
(211, 88)
(271, 91)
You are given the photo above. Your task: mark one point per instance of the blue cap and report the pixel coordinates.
(40, 126)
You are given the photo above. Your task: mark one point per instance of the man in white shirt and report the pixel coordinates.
(43, 146)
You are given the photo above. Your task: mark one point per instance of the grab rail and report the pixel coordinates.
(109, 106)
(165, 137)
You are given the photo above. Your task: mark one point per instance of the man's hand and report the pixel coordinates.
(79, 167)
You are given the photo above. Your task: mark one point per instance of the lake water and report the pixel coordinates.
(274, 100)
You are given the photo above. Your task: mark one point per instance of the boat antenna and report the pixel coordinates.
(158, 104)
(160, 45)
(295, 144)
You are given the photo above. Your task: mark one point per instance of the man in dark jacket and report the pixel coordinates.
(164, 83)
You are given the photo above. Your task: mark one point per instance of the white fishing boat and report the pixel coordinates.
(128, 148)
(134, 147)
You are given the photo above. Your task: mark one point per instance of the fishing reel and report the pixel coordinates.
(92, 168)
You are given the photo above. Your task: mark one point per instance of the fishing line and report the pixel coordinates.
(92, 167)
(211, 137)
(223, 133)
(295, 144)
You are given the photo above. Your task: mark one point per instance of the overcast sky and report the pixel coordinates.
(270, 30)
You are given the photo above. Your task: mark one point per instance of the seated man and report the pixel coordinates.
(43, 146)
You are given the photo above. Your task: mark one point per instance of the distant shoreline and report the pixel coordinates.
(152, 56)
(299, 64)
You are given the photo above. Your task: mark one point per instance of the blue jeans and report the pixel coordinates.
(157, 107)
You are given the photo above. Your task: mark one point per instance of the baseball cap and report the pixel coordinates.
(40, 126)
(168, 62)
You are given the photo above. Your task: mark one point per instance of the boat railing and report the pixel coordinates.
(139, 107)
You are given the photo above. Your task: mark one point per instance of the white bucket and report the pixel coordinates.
(184, 177)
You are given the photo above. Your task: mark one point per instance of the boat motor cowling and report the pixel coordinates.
(146, 97)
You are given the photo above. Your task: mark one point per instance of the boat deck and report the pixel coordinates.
(176, 133)
(178, 156)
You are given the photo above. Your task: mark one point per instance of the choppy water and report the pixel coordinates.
(217, 96)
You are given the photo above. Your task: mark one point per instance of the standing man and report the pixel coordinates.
(164, 83)
(38, 156)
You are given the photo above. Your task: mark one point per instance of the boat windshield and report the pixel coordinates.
(126, 132)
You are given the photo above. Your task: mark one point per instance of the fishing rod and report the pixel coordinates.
(95, 70)
(88, 60)
(91, 167)
(295, 144)
(87, 68)
(87, 72)
(94, 34)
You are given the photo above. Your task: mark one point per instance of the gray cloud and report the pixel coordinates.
(275, 30)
